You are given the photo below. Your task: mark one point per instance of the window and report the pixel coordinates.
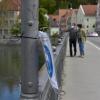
(5, 31)
(11, 22)
(93, 26)
(0, 31)
(11, 13)
(5, 13)
(0, 14)
(6, 23)
(87, 26)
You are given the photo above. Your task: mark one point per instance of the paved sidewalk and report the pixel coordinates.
(81, 78)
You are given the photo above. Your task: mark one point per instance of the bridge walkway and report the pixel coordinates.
(81, 76)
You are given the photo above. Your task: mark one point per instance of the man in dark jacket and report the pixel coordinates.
(72, 40)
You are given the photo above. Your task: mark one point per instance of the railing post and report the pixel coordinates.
(29, 79)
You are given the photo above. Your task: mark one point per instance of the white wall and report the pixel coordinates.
(89, 22)
(80, 16)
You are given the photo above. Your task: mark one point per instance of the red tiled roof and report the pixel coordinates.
(65, 13)
(62, 12)
(90, 10)
(69, 12)
(13, 5)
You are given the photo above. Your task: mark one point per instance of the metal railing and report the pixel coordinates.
(45, 89)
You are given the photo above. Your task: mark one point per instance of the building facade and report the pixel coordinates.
(9, 14)
(74, 17)
(87, 17)
(98, 18)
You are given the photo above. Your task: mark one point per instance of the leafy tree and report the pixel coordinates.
(50, 5)
(73, 3)
(16, 29)
(43, 21)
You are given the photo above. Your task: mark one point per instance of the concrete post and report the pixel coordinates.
(29, 79)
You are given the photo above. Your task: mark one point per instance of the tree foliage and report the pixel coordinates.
(50, 5)
(16, 29)
(43, 21)
(76, 3)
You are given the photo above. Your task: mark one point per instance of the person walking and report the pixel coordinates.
(72, 40)
(81, 39)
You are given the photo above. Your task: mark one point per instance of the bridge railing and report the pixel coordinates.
(45, 90)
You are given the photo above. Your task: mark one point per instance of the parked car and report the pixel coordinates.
(93, 34)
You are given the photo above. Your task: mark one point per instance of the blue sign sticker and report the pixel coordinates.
(49, 61)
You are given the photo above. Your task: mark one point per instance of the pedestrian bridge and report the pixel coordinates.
(81, 76)
(78, 78)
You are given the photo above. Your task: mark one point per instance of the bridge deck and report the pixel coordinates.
(81, 78)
